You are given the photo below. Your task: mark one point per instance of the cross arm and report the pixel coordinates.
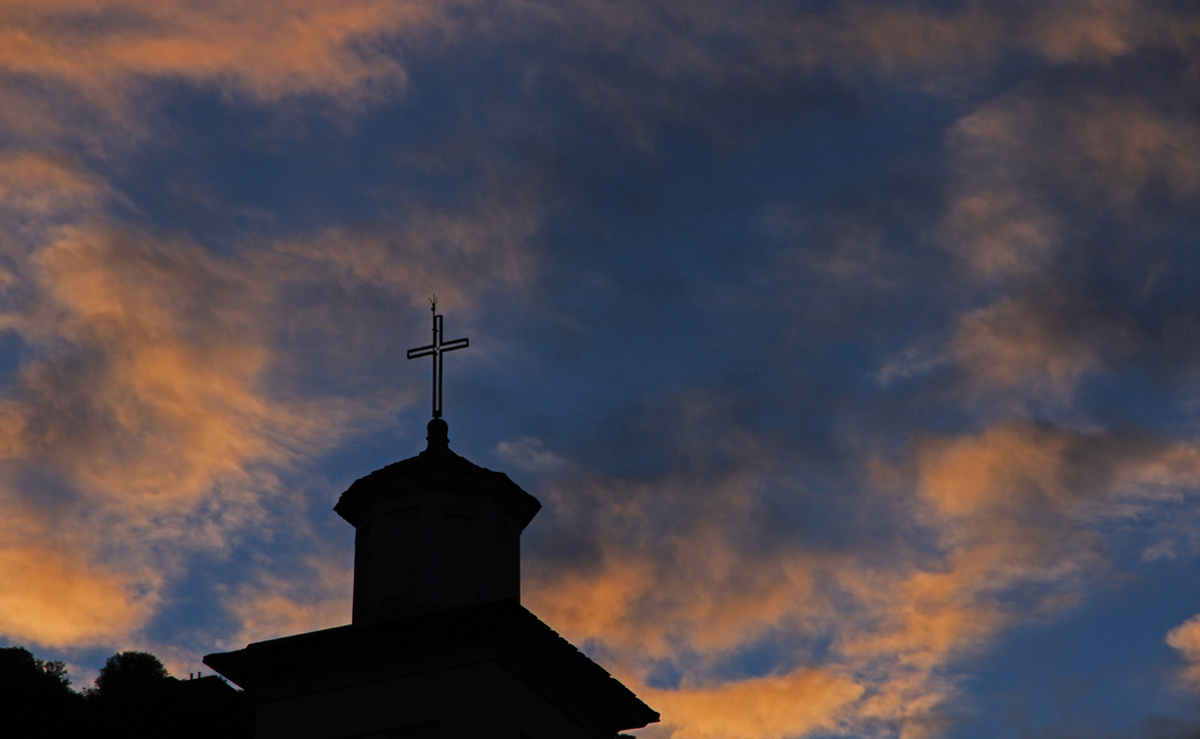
(421, 351)
(456, 344)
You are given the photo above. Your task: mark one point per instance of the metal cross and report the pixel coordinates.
(436, 349)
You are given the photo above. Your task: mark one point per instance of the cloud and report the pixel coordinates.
(1185, 639)
(156, 397)
(457, 254)
(1094, 31)
(267, 606)
(994, 217)
(1027, 348)
(704, 596)
(137, 423)
(1045, 214)
(92, 73)
(911, 362)
(696, 570)
(531, 455)
(896, 39)
(796, 704)
(56, 598)
(37, 186)
(168, 393)
(1021, 160)
(1129, 146)
(160, 392)
(292, 47)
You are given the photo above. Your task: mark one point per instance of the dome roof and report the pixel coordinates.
(436, 469)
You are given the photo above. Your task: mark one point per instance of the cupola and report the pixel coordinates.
(434, 531)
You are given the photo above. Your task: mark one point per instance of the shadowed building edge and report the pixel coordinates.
(439, 644)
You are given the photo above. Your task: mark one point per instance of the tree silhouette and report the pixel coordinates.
(129, 673)
(20, 669)
(134, 697)
(38, 696)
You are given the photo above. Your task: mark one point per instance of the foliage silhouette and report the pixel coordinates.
(38, 696)
(133, 697)
(129, 673)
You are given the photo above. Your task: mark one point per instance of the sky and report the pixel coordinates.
(852, 347)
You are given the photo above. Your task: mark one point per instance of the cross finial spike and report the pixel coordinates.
(436, 350)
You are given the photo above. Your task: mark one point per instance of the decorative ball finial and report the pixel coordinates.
(437, 433)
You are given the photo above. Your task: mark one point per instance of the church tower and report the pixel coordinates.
(439, 646)
(435, 531)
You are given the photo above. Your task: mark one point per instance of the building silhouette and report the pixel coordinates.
(439, 644)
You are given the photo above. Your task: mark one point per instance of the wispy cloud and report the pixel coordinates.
(1007, 527)
(165, 393)
(156, 404)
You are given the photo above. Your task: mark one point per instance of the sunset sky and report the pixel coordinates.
(852, 348)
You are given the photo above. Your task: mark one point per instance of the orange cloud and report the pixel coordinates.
(170, 403)
(1185, 638)
(267, 50)
(154, 410)
(999, 469)
(795, 704)
(699, 592)
(141, 393)
(35, 186)
(53, 598)
(1011, 516)
(1014, 348)
(152, 381)
(268, 606)
(87, 70)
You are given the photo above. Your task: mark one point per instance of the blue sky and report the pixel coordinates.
(851, 347)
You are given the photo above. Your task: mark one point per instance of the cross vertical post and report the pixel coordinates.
(436, 350)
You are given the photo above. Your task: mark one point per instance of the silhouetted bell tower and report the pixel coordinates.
(439, 646)
(435, 531)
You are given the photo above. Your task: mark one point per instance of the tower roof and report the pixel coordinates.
(504, 633)
(436, 468)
